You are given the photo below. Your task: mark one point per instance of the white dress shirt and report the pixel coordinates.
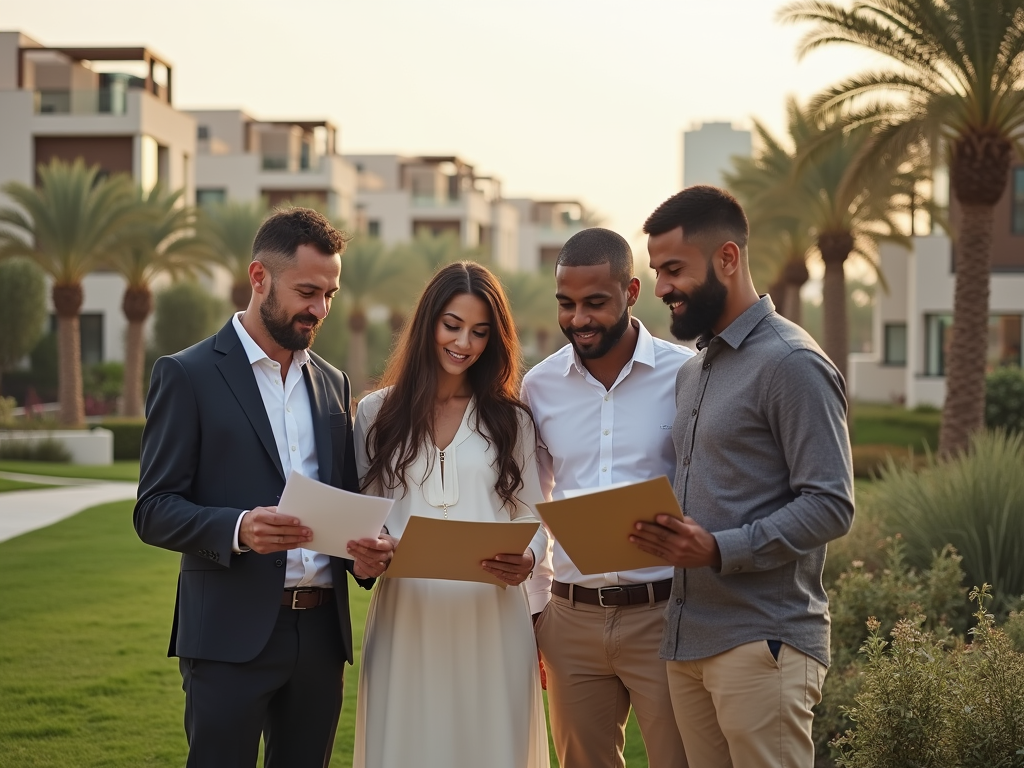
(291, 419)
(590, 437)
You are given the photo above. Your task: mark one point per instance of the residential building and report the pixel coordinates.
(399, 198)
(544, 226)
(912, 320)
(113, 108)
(708, 151)
(242, 158)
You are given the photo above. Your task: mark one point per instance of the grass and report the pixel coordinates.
(18, 485)
(872, 424)
(84, 677)
(119, 470)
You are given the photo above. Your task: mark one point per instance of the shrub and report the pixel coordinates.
(47, 449)
(185, 314)
(1004, 399)
(870, 460)
(922, 704)
(127, 437)
(7, 406)
(974, 502)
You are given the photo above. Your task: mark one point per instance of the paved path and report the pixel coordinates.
(24, 511)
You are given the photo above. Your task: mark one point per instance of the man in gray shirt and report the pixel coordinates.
(764, 476)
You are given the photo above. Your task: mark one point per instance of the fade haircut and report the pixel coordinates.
(598, 246)
(708, 215)
(280, 236)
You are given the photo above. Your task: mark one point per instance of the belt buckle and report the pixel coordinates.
(600, 595)
(295, 597)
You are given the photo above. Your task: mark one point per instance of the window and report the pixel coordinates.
(207, 197)
(202, 132)
(1017, 204)
(1003, 342)
(895, 344)
(373, 228)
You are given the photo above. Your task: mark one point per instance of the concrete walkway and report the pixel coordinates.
(24, 511)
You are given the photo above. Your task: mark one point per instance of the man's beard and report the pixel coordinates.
(282, 328)
(608, 337)
(704, 305)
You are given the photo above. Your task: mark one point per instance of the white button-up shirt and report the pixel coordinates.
(590, 437)
(291, 419)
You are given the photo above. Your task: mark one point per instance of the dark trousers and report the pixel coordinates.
(291, 693)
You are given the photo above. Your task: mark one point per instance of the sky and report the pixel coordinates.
(575, 99)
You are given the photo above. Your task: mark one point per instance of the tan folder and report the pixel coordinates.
(453, 549)
(594, 527)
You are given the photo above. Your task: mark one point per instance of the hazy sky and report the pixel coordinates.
(579, 99)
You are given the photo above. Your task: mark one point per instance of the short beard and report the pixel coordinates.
(282, 329)
(609, 337)
(704, 306)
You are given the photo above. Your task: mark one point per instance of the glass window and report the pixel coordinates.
(896, 344)
(202, 132)
(1017, 209)
(91, 324)
(1003, 345)
(373, 228)
(205, 197)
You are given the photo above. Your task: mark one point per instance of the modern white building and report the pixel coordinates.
(544, 226)
(111, 107)
(912, 321)
(708, 151)
(241, 158)
(401, 197)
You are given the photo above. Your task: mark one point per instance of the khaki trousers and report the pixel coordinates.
(599, 661)
(744, 709)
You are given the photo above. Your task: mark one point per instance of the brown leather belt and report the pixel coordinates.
(301, 599)
(616, 596)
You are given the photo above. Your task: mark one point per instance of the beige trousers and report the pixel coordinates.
(744, 709)
(599, 662)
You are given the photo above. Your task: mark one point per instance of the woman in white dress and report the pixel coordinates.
(449, 675)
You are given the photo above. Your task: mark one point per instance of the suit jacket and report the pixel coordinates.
(208, 453)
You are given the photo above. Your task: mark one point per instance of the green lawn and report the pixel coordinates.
(894, 425)
(84, 621)
(119, 470)
(18, 485)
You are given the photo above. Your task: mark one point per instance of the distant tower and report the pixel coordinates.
(707, 152)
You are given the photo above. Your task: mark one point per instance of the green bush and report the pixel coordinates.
(1004, 399)
(974, 502)
(42, 450)
(185, 314)
(127, 437)
(924, 704)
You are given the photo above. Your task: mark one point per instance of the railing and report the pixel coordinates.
(102, 101)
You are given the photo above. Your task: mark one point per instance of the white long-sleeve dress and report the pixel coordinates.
(449, 675)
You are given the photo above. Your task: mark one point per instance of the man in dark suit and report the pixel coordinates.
(261, 624)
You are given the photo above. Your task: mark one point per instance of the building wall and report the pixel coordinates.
(1007, 247)
(708, 151)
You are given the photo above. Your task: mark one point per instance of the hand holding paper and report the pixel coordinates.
(511, 569)
(682, 543)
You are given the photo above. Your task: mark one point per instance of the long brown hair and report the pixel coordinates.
(405, 418)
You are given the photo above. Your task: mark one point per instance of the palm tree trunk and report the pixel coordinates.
(136, 305)
(240, 295)
(795, 274)
(358, 356)
(67, 301)
(963, 411)
(835, 248)
(777, 292)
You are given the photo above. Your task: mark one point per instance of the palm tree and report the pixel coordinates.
(226, 232)
(370, 273)
(532, 298)
(958, 77)
(154, 243)
(68, 226)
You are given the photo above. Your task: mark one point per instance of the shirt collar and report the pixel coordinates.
(254, 351)
(738, 330)
(642, 353)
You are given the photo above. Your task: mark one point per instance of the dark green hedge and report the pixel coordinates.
(127, 437)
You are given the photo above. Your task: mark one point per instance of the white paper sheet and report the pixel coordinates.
(336, 517)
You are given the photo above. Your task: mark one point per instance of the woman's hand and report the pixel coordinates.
(511, 569)
(371, 557)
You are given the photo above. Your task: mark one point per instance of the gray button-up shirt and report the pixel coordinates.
(763, 463)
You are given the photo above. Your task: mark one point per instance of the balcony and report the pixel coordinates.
(102, 101)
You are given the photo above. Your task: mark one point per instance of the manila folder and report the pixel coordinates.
(594, 527)
(453, 549)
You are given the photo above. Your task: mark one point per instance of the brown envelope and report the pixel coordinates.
(453, 549)
(594, 528)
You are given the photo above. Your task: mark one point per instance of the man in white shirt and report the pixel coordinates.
(261, 624)
(604, 406)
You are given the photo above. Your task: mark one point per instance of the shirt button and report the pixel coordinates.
(293, 447)
(679, 601)
(736, 569)
(686, 461)
(289, 410)
(606, 432)
(279, 563)
(606, 397)
(306, 559)
(706, 366)
(604, 469)
(694, 412)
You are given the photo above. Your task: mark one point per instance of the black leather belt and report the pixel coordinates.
(616, 596)
(303, 598)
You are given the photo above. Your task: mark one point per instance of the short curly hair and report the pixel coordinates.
(280, 236)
